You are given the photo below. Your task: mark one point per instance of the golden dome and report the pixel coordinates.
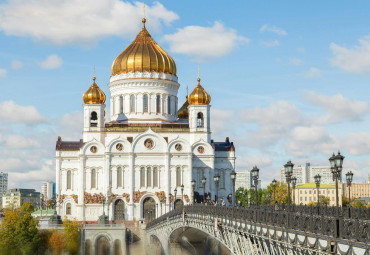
(199, 96)
(94, 95)
(183, 113)
(143, 55)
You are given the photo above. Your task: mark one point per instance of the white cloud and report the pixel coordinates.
(273, 29)
(296, 61)
(16, 64)
(270, 44)
(3, 73)
(220, 123)
(19, 142)
(356, 143)
(313, 73)
(205, 43)
(78, 21)
(51, 62)
(13, 113)
(339, 107)
(353, 60)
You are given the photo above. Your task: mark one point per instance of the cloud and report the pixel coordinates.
(273, 29)
(13, 113)
(296, 61)
(313, 73)
(16, 64)
(354, 60)
(357, 143)
(19, 142)
(338, 107)
(220, 120)
(78, 21)
(270, 44)
(205, 43)
(51, 62)
(3, 73)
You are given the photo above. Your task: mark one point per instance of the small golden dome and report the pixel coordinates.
(199, 96)
(94, 95)
(143, 55)
(183, 113)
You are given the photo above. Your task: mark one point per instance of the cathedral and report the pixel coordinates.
(151, 157)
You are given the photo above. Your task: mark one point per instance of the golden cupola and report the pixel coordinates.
(143, 55)
(94, 95)
(183, 112)
(199, 96)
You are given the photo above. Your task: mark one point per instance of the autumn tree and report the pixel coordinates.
(56, 242)
(71, 234)
(281, 193)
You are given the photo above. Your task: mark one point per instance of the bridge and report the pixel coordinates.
(201, 229)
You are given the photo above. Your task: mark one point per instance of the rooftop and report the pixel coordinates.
(313, 185)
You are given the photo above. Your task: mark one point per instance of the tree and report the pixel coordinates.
(344, 201)
(50, 203)
(71, 234)
(323, 201)
(8, 240)
(358, 204)
(56, 242)
(281, 193)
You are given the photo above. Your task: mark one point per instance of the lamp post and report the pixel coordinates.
(288, 174)
(336, 163)
(349, 177)
(274, 186)
(317, 181)
(233, 178)
(174, 200)
(216, 179)
(192, 190)
(294, 182)
(165, 205)
(240, 196)
(182, 194)
(255, 174)
(169, 201)
(204, 180)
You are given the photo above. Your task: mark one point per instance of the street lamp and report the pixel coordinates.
(169, 201)
(274, 186)
(294, 182)
(182, 193)
(204, 179)
(216, 179)
(288, 174)
(233, 178)
(241, 195)
(192, 189)
(175, 192)
(336, 163)
(255, 174)
(165, 205)
(317, 181)
(349, 177)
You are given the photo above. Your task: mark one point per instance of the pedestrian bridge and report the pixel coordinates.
(201, 229)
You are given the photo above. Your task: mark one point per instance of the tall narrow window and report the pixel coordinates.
(158, 104)
(68, 209)
(119, 177)
(178, 176)
(142, 177)
(155, 177)
(121, 104)
(93, 179)
(222, 179)
(200, 176)
(148, 177)
(145, 103)
(69, 179)
(132, 103)
(200, 121)
(169, 105)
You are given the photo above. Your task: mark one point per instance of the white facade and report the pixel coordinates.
(47, 190)
(3, 185)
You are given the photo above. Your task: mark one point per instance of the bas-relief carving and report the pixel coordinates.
(186, 197)
(75, 198)
(144, 75)
(62, 197)
(138, 195)
(126, 196)
(93, 199)
(161, 195)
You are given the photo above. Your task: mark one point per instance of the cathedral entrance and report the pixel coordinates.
(102, 246)
(149, 208)
(178, 204)
(119, 210)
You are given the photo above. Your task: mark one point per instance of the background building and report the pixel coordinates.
(306, 193)
(3, 185)
(243, 179)
(48, 190)
(357, 190)
(15, 198)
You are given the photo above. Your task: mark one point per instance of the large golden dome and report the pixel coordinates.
(143, 55)
(94, 95)
(183, 113)
(199, 96)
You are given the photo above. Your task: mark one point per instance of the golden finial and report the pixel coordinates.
(187, 90)
(198, 74)
(94, 75)
(144, 19)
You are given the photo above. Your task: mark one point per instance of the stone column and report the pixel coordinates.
(189, 178)
(106, 175)
(58, 180)
(131, 184)
(167, 170)
(81, 188)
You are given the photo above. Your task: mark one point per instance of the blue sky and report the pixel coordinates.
(288, 80)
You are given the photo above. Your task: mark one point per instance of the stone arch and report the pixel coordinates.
(117, 247)
(102, 245)
(208, 148)
(149, 208)
(160, 142)
(119, 206)
(186, 148)
(85, 148)
(126, 145)
(178, 203)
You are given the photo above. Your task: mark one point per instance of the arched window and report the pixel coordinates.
(132, 103)
(158, 104)
(119, 177)
(145, 103)
(222, 179)
(142, 177)
(121, 104)
(69, 179)
(200, 121)
(94, 116)
(155, 177)
(148, 177)
(169, 105)
(93, 179)
(68, 209)
(178, 176)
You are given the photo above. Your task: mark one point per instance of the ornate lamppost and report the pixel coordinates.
(233, 178)
(169, 201)
(216, 179)
(192, 190)
(288, 174)
(255, 174)
(336, 163)
(174, 200)
(294, 182)
(349, 177)
(240, 196)
(317, 181)
(165, 205)
(204, 180)
(182, 194)
(274, 186)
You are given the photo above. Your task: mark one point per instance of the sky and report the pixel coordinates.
(289, 80)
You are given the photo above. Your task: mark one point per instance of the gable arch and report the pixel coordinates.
(186, 148)
(127, 147)
(160, 144)
(208, 149)
(86, 148)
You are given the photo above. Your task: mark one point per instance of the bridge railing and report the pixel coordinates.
(329, 221)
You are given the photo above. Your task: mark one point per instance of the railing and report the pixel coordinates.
(329, 221)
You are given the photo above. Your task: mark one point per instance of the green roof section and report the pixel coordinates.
(313, 185)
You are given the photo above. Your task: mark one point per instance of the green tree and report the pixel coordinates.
(323, 201)
(358, 204)
(71, 234)
(281, 193)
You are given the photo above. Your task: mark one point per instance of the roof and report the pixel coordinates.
(223, 146)
(68, 145)
(313, 185)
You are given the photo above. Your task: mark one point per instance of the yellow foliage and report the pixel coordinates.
(56, 243)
